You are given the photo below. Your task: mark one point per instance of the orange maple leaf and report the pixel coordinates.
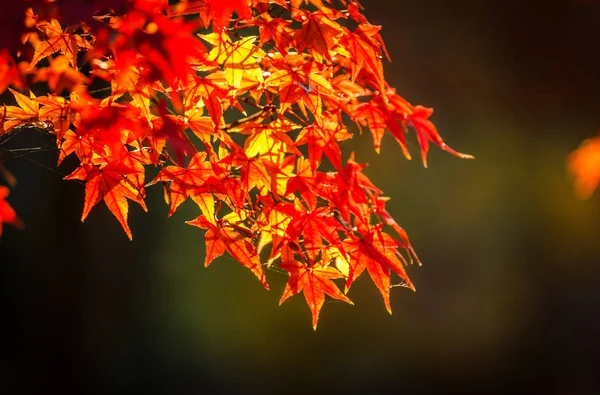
(25, 112)
(57, 40)
(584, 164)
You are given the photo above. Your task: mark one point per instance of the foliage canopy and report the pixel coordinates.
(126, 86)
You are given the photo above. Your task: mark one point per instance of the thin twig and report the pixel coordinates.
(264, 111)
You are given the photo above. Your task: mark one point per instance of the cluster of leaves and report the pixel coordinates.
(271, 186)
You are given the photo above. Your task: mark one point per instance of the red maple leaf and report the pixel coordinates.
(222, 10)
(314, 282)
(426, 132)
(324, 138)
(7, 213)
(378, 253)
(113, 182)
(197, 179)
(233, 239)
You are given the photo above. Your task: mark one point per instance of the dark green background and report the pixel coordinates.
(508, 297)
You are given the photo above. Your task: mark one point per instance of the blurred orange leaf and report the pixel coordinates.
(584, 165)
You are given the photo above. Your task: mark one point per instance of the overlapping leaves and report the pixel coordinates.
(238, 104)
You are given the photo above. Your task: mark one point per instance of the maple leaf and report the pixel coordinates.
(426, 132)
(128, 79)
(238, 58)
(61, 75)
(70, 142)
(7, 213)
(169, 130)
(113, 182)
(253, 171)
(314, 225)
(306, 182)
(314, 282)
(9, 71)
(268, 139)
(55, 109)
(288, 84)
(26, 112)
(190, 7)
(347, 190)
(197, 181)
(211, 92)
(318, 34)
(57, 41)
(223, 237)
(276, 30)
(379, 208)
(377, 252)
(203, 127)
(165, 49)
(364, 46)
(104, 130)
(376, 114)
(171, 48)
(221, 11)
(324, 139)
(276, 218)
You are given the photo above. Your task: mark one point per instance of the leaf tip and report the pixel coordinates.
(388, 306)
(128, 233)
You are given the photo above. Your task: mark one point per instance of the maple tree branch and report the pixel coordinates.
(292, 66)
(21, 156)
(297, 117)
(251, 103)
(168, 157)
(264, 111)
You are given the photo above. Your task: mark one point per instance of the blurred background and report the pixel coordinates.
(508, 297)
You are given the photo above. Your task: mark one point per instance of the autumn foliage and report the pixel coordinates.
(241, 106)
